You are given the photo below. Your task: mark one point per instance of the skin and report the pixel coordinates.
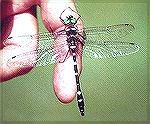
(18, 18)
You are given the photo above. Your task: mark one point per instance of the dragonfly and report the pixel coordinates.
(97, 42)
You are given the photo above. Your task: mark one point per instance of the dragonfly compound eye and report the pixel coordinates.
(66, 20)
(73, 20)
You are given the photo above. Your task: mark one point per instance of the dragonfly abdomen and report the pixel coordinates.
(80, 98)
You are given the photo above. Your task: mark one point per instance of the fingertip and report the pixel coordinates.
(8, 75)
(64, 81)
(51, 11)
(66, 97)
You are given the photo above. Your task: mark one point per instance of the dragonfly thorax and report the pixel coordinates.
(71, 30)
(72, 40)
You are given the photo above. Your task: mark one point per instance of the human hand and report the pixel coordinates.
(19, 18)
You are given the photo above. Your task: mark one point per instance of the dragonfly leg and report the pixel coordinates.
(65, 57)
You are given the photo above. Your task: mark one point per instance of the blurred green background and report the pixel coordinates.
(115, 90)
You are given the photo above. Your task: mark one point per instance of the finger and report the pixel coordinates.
(11, 7)
(64, 79)
(21, 24)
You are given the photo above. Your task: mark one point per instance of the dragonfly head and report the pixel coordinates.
(70, 20)
(69, 16)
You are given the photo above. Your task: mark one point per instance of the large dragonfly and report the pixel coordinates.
(97, 42)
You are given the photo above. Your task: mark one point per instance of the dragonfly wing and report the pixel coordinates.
(101, 42)
(43, 39)
(107, 33)
(48, 51)
(34, 58)
(40, 56)
(52, 55)
(110, 49)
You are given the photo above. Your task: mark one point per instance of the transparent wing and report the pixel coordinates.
(48, 50)
(96, 35)
(40, 56)
(44, 39)
(100, 43)
(110, 49)
(106, 42)
(32, 58)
